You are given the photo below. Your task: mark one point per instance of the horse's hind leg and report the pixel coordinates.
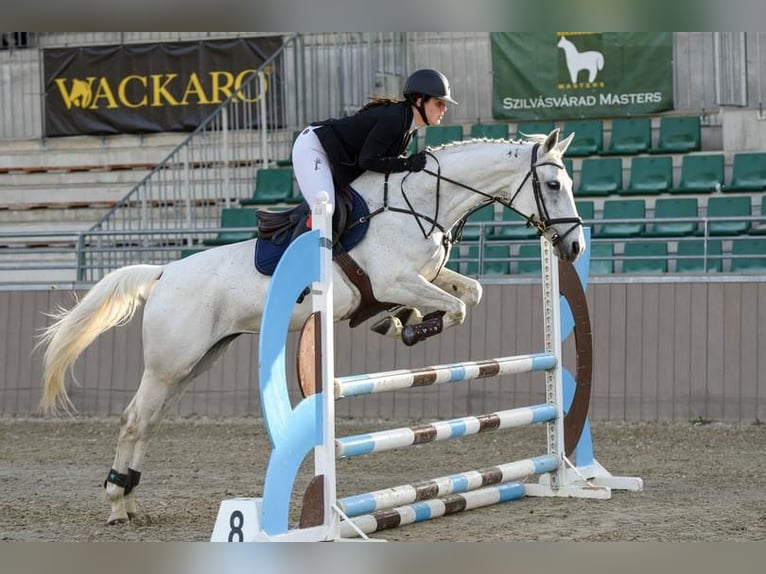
(137, 424)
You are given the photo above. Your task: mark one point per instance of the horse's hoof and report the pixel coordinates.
(409, 315)
(117, 520)
(411, 335)
(387, 326)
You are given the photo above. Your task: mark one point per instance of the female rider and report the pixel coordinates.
(336, 151)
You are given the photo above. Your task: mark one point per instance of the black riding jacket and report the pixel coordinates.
(372, 139)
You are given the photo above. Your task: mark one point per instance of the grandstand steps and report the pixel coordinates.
(45, 265)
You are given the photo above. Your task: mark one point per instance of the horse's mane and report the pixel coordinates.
(529, 139)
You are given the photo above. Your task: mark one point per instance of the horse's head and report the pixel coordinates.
(544, 196)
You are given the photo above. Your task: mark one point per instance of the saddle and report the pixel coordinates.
(285, 226)
(350, 221)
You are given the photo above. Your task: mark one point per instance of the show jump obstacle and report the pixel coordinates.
(567, 469)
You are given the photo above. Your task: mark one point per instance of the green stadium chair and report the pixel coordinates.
(586, 211)
(600, 176)
(189, 251)
(524, 129)
(471, 261)
(691, 256)
(649, 176)
(616, 209)
(748, 172)
(496, 259)
(700, 173)
(588, 139)
(668, 208)
(288, 161)
(529, 259)
(759, 227)
(678, 134)
(235, 217)
(440, 135)
(630, 136)
(731, 207)
(569, 166)
(748, 254)
(645, 257)
(454, 259)
(482, 215)
(512, 232)
(490, 131)
(601, 258)
(272, 185)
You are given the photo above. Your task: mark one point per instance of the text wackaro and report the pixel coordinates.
(156, 90)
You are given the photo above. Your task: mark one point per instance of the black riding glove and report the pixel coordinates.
(415, 162)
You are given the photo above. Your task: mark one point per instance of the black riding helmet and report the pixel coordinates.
(426, 82)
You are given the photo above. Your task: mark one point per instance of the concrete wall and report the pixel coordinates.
(663, 351)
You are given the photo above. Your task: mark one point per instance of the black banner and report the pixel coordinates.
(145, 88)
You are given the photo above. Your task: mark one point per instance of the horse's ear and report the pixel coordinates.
(564, 144)
(551, 141)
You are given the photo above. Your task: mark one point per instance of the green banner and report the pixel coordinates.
(561, 75)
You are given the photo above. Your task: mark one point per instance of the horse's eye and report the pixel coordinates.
(555, 185)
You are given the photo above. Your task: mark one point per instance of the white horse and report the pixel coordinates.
(592, 60)
(195, 307)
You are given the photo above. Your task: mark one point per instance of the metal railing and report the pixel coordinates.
(83, 257)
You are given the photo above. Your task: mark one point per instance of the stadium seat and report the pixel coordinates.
(569, 166)
(670, 208)
(524, 129)
(616, 209)
(481, 215)
(730, 207)
(645, 257)
(649, 176)
(586, 211)
(471, 261)
(678, 134)
(288, 161)
(272, 185)
(496, 259)
(700, 173)
(588, 139)
(748, 172)
(189, 251)
(454, 259)
(490, 131)
(691, 256)
(759, 227)
(529, 259)
(512, 232)
(414, 143)
(600, 176)
(601, 258)
(232, 217)
(630, 136)
(748, 254)
(440, 135)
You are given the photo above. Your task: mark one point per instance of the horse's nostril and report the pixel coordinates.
(576, 248)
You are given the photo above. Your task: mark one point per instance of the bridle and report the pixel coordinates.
(541, 223)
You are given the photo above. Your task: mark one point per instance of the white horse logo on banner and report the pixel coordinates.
(592, 61)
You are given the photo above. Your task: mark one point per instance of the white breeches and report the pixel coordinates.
(312, 168)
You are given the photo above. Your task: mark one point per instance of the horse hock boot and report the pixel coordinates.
(431, 325)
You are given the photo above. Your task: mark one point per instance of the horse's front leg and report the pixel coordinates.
(416, 291)
(466, 289)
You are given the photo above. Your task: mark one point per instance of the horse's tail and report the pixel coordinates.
(111, 302)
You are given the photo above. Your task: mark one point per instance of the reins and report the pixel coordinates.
(542, 223)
